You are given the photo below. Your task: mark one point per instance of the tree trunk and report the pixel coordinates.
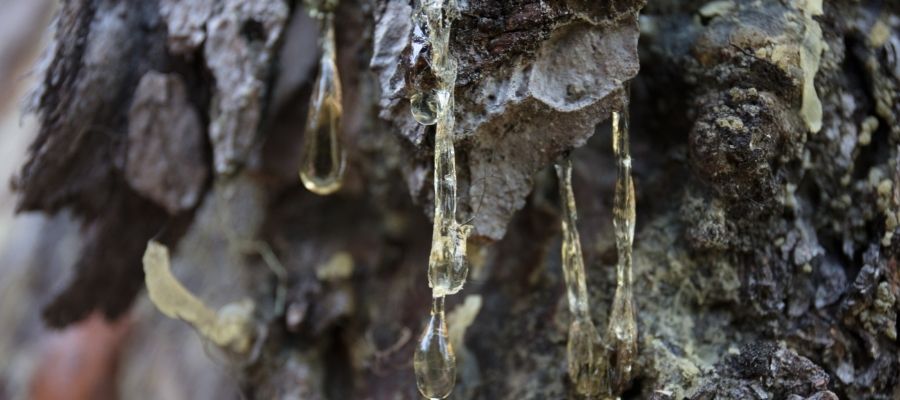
(766, 150)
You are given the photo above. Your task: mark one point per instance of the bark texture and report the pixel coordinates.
(766, 151)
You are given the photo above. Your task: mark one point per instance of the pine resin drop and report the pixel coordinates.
(231, 327)
(621, 334)
(322, 164)
(583, 353)
(447, 264)
(434, 361)
(582, 350)
(424, 108)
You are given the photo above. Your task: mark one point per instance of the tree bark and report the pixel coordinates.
(766, 163)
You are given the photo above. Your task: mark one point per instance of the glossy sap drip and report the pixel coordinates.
(434, 361)
(423, 104)
(447, 264)
(322, 165)
(424, 108)
(231, 327)
(621, 332)
(583, 357)
(584, 365)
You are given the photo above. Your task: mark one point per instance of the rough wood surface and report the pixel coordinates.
(765, 143)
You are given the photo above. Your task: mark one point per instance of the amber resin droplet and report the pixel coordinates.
(621, 334)
(447, 265)
(582, 357)
(434, 361)
(424, 108)
(322, 164)
(231, 327)
(584, 363)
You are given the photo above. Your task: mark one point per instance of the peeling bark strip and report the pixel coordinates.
(91, 97)
(77, 161)
(186, 23)
(241, 40)
(108, 271)
(165, 144)
(94, 65)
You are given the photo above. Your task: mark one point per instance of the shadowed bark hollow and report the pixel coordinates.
(766, 148)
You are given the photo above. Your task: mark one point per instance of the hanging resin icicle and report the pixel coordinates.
(322, 163)
(423, 104)
(434, 362)
(621, 333)
(583, 345)
(447, 267)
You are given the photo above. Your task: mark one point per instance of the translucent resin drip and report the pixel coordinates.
(434, 361)
(583, 345)
(621, 334)
(322, 165)
(230, 328)
(424, 108)
(447, 266)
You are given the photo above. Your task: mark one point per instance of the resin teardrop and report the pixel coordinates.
(572, 258)
(584, 364)
(434, 361)
(621, 337)
(621, 333)
(322, 164)
(583, 360)
(424, 108)
(447, 263)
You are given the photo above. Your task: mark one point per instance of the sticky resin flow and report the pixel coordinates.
(447, 267)
(447, 264)
(423, 103)
(231, 328)
(583, 361)
(434, 361)
(621, 333)
(322, 158)
(424, 108)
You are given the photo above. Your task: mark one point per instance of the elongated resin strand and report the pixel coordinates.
(434, 361)
(322, 165)
(621, 334)
(423, 103)
(583, 345)
(447, 266)
(230, 328)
